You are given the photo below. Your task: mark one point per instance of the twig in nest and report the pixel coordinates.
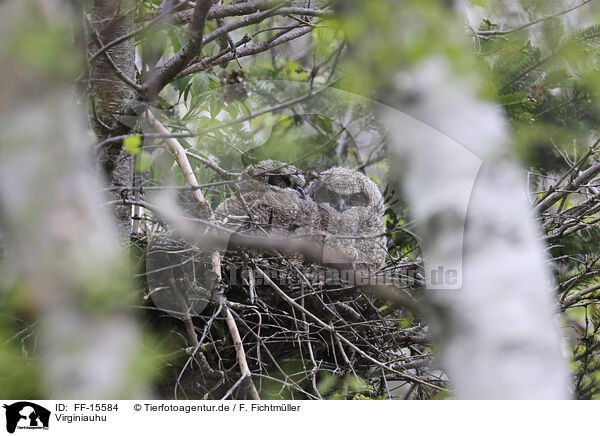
(241, 354)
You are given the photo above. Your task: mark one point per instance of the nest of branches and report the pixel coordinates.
(276, 326)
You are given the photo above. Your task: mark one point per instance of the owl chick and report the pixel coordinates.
(271, 196)
(350, 213)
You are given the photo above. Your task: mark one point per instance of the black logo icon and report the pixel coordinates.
(26, 415)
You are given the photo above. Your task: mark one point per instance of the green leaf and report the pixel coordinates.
(200, 84)
(324, 123)
(182, 86)
(184, 143)
(132, 144)
(326, 39)
(294, 71)
(233, 110)
(143, 161)
(215, 105)
(177, 41)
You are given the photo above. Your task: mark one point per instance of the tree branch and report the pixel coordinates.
(119, 73)
(238, 9)
(183, 57)
(248, 51)
(582, 179)
(335, 333)
(183, 162)
(526, 25)
(241, 354)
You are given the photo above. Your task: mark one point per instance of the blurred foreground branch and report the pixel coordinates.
(496, 329)
(61, 245)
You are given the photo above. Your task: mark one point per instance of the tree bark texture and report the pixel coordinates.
(110, 95)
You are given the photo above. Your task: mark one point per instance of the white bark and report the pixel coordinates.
(497, 334)
(61, 242)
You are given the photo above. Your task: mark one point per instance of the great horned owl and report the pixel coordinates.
(271, 196)
(350, 213)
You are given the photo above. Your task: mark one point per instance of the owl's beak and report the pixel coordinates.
(301, 192)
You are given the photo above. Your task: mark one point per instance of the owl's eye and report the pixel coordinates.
(358, 199)
(279, 181)
(324, 195)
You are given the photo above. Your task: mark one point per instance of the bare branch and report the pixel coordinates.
(183, 162)
(580, 180)
(120, 74)
(248, 51)
(534, 22)
(183, 57)
(241, 354)
(248, 8)
(335, 333)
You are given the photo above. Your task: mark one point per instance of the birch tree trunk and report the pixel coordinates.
(112, 19)
(60, 241)
(494, 316)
